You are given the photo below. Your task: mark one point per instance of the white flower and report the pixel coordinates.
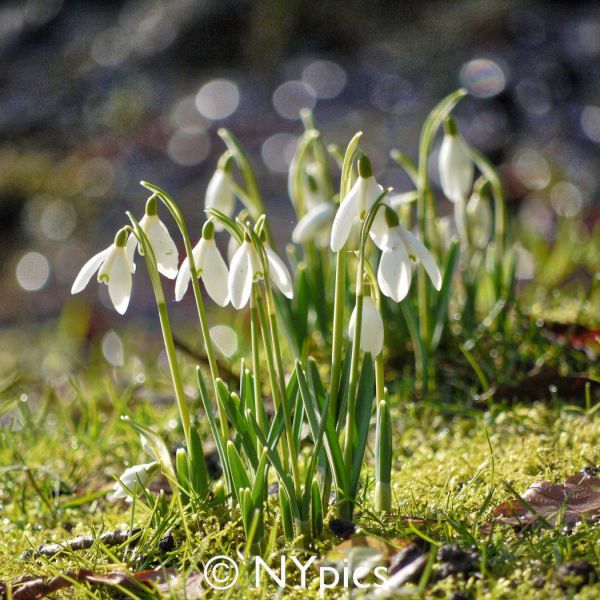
(210, 266)
(134, 480)
(355, 205)
(245, 269)
(114, 269)
(400, 248)
(219, 193)
(371, 330)
(455, 165)
(315, 225)
(163, 246)
(479, 219)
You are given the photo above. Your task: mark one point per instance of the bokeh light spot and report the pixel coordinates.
(566, 199)
(188, 149)
(112, 349)
(590, 122)
(58, 220)
(278, 151)
(325, 77)
(225, 339)
(291, 97)
(532, 169)
(33, 271)
(218, 99)
(483, 77)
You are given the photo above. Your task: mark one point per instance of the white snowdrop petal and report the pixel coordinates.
(280, 274)
(313, 223)
(372, 191)
(425, 258)
(214, 273)
(456, 168)
(240, 277)
(344, 218)
(394, 273)
(371, 331)
(133, 479)
(130, 250)
(119, 283)
(219, 195)
(183, 279)
(88, 270)
(380, 232)
(165, 250)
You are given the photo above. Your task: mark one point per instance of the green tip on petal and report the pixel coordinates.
(152, 206)
(364, 166)
(450, 126)
(391, 218)
(208, 231)
(121, 238)
(312, 183)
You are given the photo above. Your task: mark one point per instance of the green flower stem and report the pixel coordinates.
(208, 345)
(254, 340)
(346, 506)
(275, 388)
(165, 325)
(253, 197)
(425, 211)
(287, 417)
(340, 286)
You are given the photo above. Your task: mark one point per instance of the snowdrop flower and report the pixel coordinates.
(245, 269)
(219, 193)
(133, 480)
(479, 219)
(356, 204)
(114, 269)
(371, 329)
(455, 165)
(315, 225)
(210, 266)
(400, 248)
(165, 250)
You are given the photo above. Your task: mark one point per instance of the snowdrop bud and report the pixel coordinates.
(219, 192)
(455, 165)
(479, 218)
(371, 330)
(134, 480)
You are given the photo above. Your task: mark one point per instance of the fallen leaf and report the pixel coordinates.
(575, 499)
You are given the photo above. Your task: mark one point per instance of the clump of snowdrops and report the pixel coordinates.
(357, 249)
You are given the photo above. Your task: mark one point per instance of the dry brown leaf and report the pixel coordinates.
(575, 499)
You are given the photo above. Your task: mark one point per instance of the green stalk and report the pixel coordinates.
(425, 208)
(254, 335)
(165, 325)
(340, 286)
(383, 458)
(208, 345)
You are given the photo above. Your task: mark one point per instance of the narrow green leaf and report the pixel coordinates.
(237, 469)
(197, 464)
(441, 309)
(364, 408)
(316, 510)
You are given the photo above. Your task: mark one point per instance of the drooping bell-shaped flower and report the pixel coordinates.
(210, 267)
(371, 329)
(245, 269)
(455, 164)
(400, 248)
(315, 225)
(219, 192)
(479, 219)
(163, 246)
(356, 204)
(114, 269)
(133, 481)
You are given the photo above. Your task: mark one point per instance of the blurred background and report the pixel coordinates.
(95, 96)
